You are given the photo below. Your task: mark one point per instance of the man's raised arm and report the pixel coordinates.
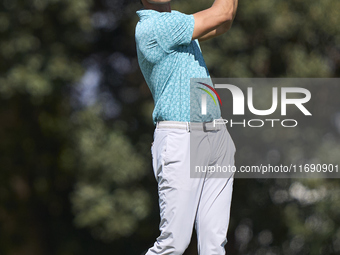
(215, 20)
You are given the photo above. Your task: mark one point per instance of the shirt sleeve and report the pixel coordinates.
(174, 29)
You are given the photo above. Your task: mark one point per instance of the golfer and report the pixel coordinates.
(169, 55)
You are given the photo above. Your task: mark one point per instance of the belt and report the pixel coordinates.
(199, 126)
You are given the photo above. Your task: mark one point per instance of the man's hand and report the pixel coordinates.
(216, 20)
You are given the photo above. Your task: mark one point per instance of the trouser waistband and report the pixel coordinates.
(200, 126)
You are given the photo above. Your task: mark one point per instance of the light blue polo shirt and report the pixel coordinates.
(168, 58)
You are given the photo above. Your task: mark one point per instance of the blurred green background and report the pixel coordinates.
(76, 128)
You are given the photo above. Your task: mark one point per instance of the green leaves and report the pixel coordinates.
(107, 197)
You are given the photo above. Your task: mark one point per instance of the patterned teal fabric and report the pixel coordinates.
(168, 58)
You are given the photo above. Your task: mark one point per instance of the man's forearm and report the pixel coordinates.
(208, 22)
(230, 22)
(227, 7)
(223, 28)
(235, 8)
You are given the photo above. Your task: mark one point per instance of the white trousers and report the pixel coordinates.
(186, 202)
